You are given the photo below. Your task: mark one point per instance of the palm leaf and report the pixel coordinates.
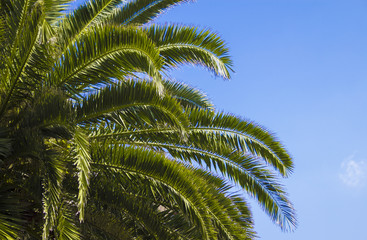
(55, 9)
(132, 95)
(85, 16)
(55, 171)
(11, 209)
(178, 45)
(21, 54)
(139, 12)
(67, 228)
(102, 53)
(82, 162)
(147, 163)
(186, 95)
(218, 142)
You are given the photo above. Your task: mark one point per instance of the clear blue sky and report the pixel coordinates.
(301, 71)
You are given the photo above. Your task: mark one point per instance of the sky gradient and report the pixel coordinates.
(300, 71)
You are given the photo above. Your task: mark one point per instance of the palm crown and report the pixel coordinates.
(96, 144)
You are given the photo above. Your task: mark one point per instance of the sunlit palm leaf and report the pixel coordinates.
(82, 162)
(179, 44)
(102, 53)
(138, 12)
(131, 95)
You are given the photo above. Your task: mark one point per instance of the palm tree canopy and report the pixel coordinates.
(96, 144)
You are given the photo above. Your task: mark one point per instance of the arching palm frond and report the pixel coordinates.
(133, 95)
(55, 9)
(139, 12)
(234, 147)
(245, 135)
(16, 71)
(179, 44)
(186, 95)
(103, 53)
(83, 18)
(55, 170)
(200, 202)
(67, 228)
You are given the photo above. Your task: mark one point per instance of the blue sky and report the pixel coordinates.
(301, 71)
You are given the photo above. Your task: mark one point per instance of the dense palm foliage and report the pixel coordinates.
(96, 144)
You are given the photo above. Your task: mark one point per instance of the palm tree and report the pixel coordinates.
(96, 144)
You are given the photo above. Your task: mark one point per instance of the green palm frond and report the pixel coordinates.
(52, 111)
(21, 54)
(132, 95)
(67, 228)
(179, 44)
(2, 31)
(55, 171)
(148, 194)
(11, 209)
(104, 225)
(217, 206)
(244, 135)
(186, 95)
(229, 131)
(157, 167)
(55, 9)
(85, 16)
(217, 141)
(82, 162)
(139, 12)
(142, 211)
(245, 170)
(15, 14)
(105, 52)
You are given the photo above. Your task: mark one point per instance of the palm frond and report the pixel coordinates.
(16, 14)
(186, 95)
(132, 94)
(139, 12)
(243, 135)
(245, 170)
(155, 166)
(67, 228)
(20, 56)
(52, 111)
(142, 211)
(179, 44)
(85, 16)
(162, 204)
(11, 208)
(55, 9)
(103, 225)
(232, 146)
(83, 165)
(52, 196)
(102, 53)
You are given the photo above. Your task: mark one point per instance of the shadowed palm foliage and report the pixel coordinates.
(90, 149)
